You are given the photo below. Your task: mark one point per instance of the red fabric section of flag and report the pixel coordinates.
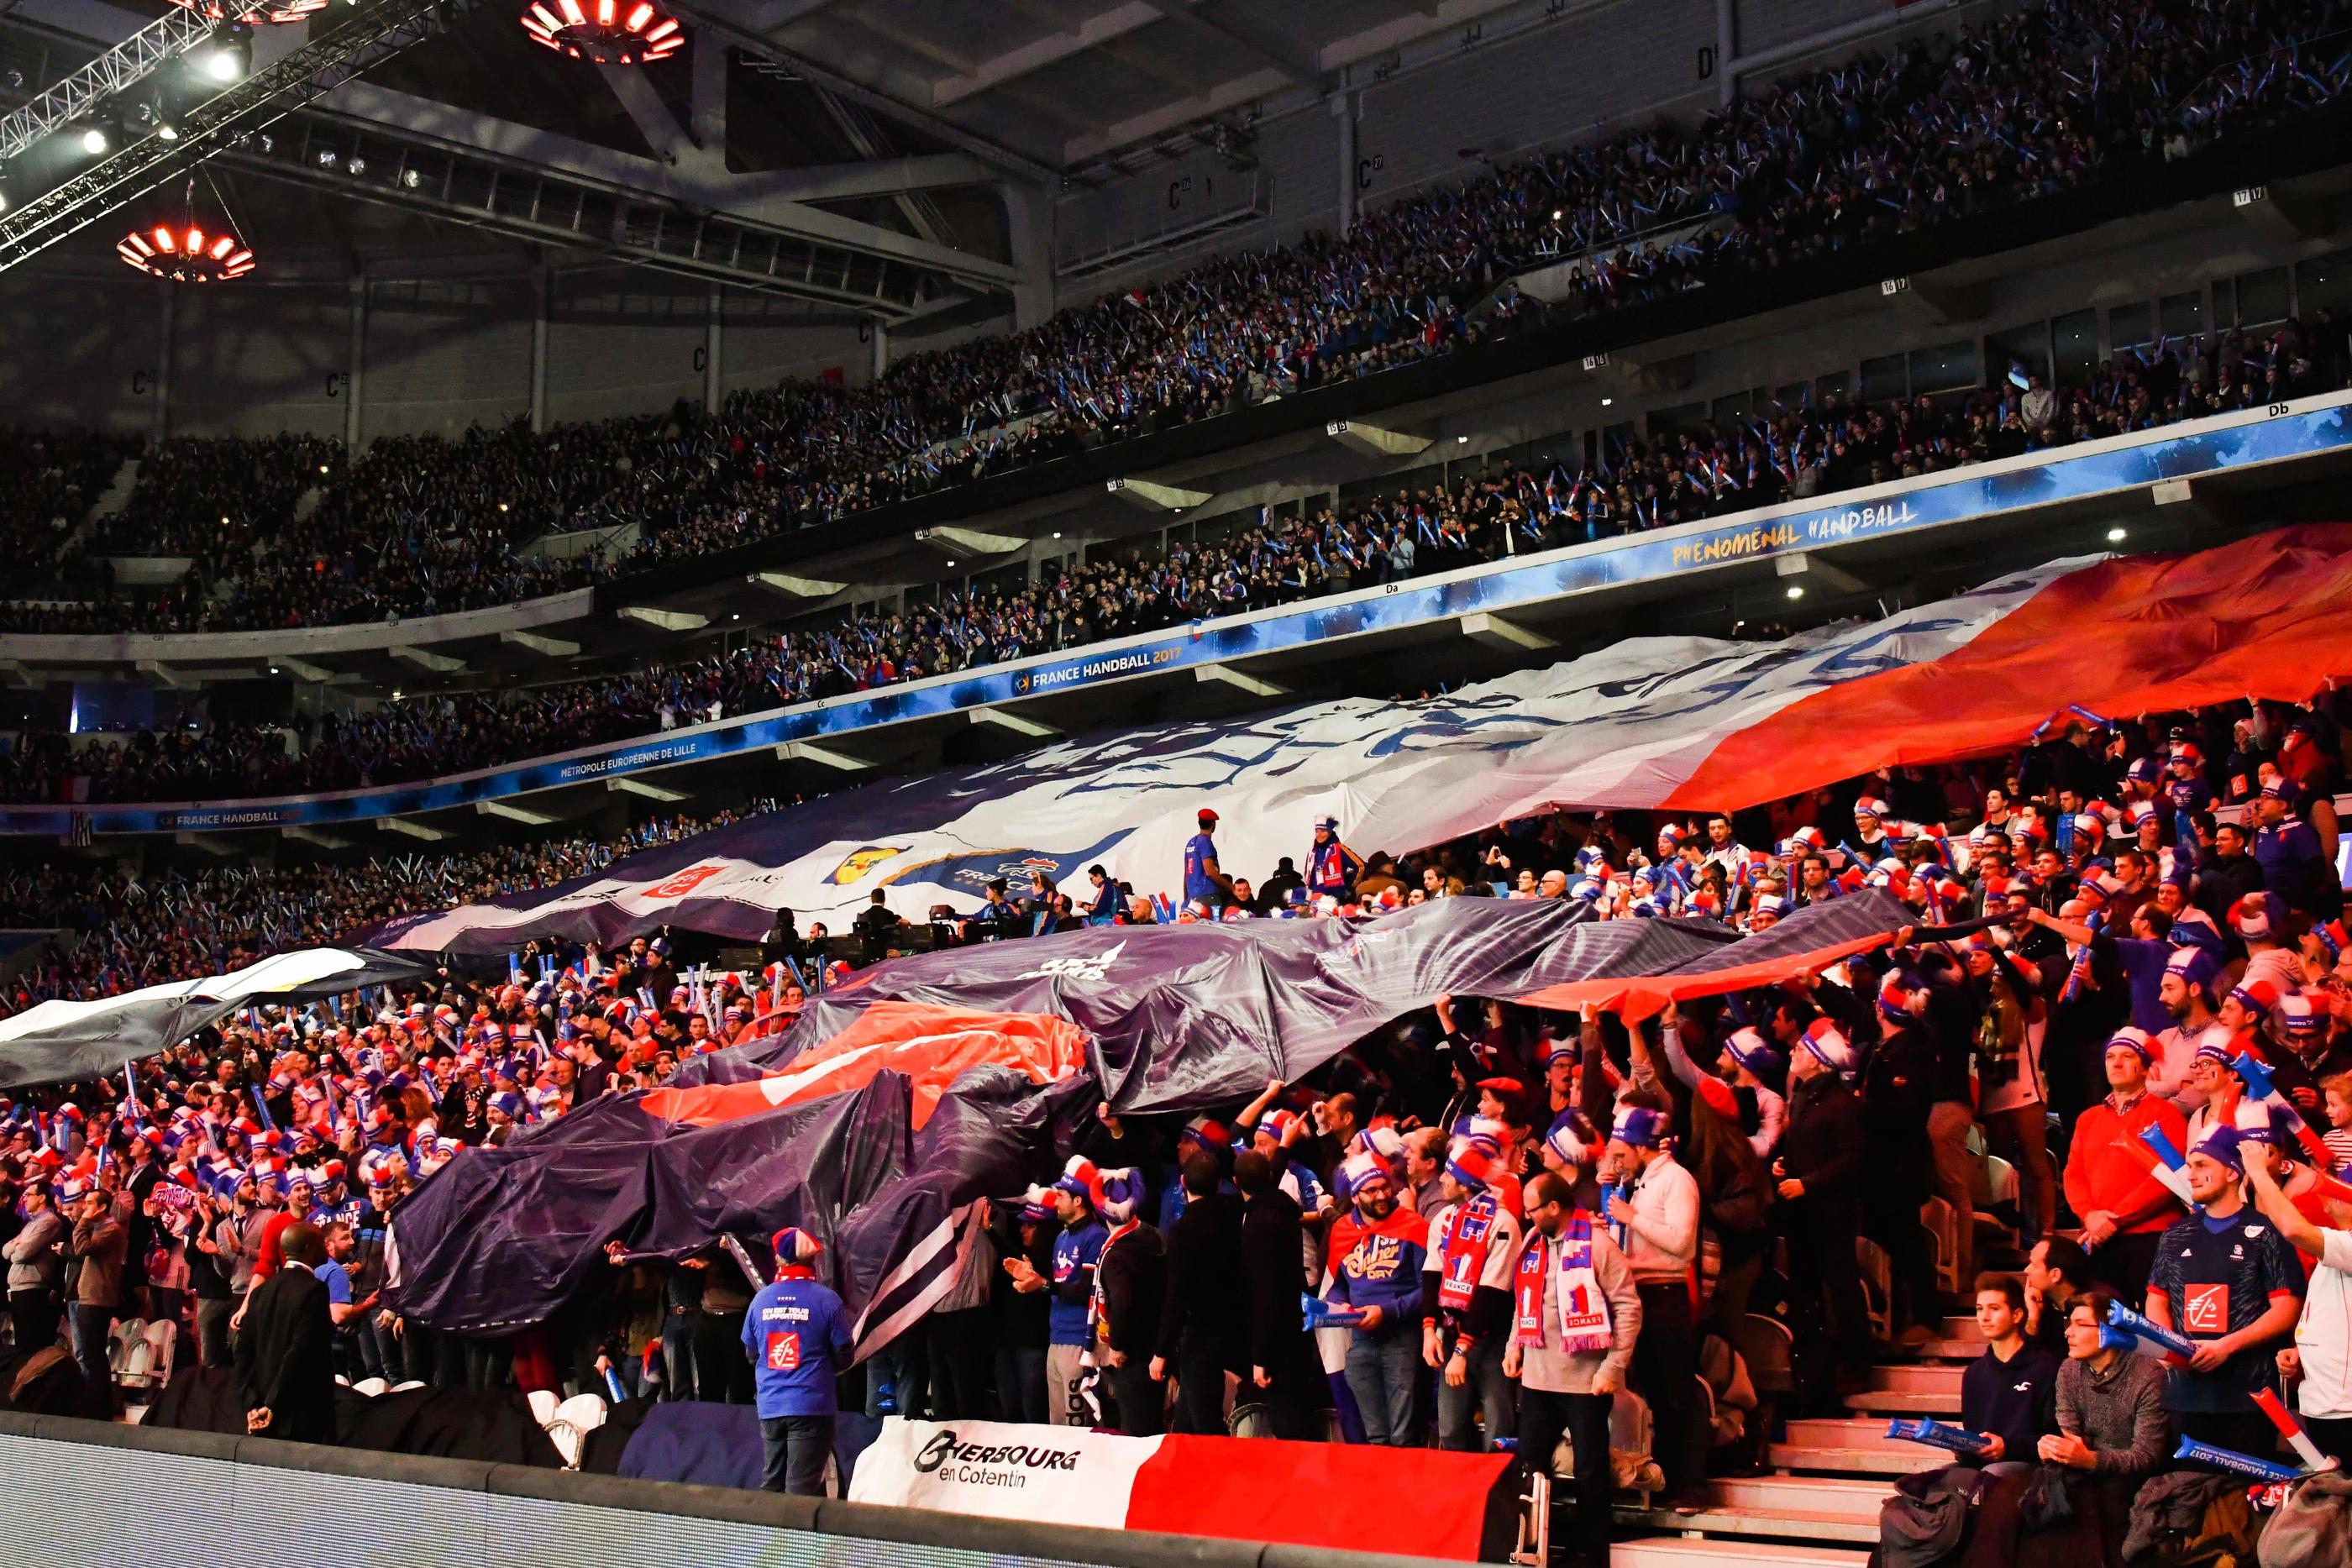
(2260, 618)
(1639, 997)
(931, 1045)
(1265, 1490)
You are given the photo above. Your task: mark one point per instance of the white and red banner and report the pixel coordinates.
(1232, 1488)
(1681, 723)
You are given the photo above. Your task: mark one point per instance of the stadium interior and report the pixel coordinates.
(453, 445)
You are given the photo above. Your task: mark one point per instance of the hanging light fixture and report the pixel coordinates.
(187, 252)
(603, 32)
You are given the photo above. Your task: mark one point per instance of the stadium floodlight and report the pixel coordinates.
(94, 141)
(603, 32)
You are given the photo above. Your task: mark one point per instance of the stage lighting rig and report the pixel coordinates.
(603, 32)
(189, 251)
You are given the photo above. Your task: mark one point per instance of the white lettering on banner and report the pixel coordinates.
(1003, 1470)
(593, 766)
(1094, 967)
(1096, 669)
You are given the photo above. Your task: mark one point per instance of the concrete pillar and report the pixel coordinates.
(1029, 220)
(167, 317)
(355, 363)
(1346, 108)
(881, 332)
(1726, 49)
(546, 296)
(713, 390)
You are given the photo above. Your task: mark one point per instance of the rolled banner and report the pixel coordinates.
(2230, 1459)
(2168, 1167)
(1322, 1314)
(1615, 1190)
(2171, 1340)
(2153, 1136)
(1936, 1435)
(2292, 1430)
(2257, 1077)
(2130, 1343)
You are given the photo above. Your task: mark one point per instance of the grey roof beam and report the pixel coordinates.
(906, 99)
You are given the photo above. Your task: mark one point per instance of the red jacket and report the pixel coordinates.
(2108, 1166)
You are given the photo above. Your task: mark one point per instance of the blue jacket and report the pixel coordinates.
(1075, 1252)
(798, 1339)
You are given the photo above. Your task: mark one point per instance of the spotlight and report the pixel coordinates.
(327, 158)
(222, 65)
(356, 166)
(168, 132)
(322, 468)
(603, 32)
(1607, 400)
(1057, 533)
(1461, 441)
(410, 178)
(94, 141)
(1795, 592)
(2115, 535)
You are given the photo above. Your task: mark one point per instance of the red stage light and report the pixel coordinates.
(253, 10)
(185, 255)
(603, 32)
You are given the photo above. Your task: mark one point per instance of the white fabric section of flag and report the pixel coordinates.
(1621, 727)
(999, 1469)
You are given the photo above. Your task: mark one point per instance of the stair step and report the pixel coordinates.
(1703, 1552)
(1906, 1401)
(1849, 1432)
(1800, 1494)
(1953, 1349)
(1924, 1377)
(1778, 1524)
(1888, 1461)
(1963, 1327)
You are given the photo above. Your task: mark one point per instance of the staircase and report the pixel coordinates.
(1817, 1508)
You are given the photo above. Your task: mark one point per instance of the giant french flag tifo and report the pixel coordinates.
(1679, 723)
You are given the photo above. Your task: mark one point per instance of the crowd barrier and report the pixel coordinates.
(88, 1494)
(2225, 444)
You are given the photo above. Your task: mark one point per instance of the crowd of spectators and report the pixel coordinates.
(2037, 104)
(54, 481)
(2110, 926)
(1482, 514)
(124, 929)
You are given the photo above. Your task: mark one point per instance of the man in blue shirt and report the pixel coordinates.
(1105, 908)
(2288, 850)
(798, 1339)
(1076, 1251)
(1205, 880)
(2229, 1281)
(1332, 866)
